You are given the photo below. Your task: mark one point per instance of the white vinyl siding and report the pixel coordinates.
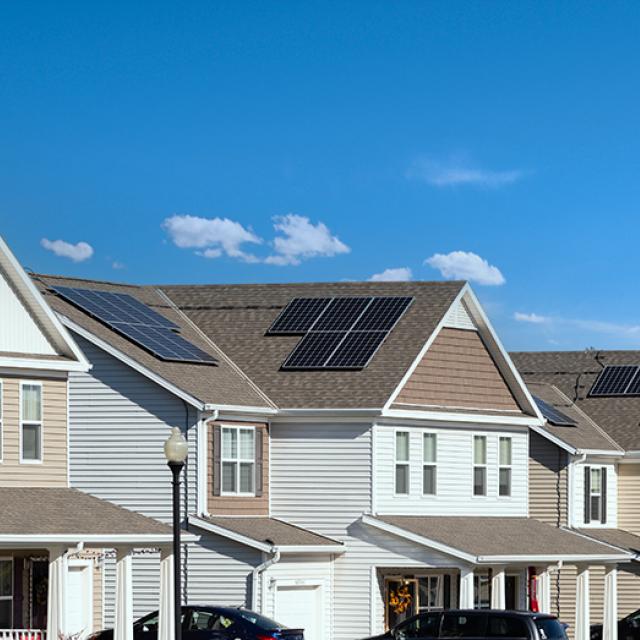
(31, 436)
(454, 495)
(577, 497)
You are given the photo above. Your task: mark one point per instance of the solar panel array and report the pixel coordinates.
(553, 415)
(617, 380)
(338, 333)
(136, 321)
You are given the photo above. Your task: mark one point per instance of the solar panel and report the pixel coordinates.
(341, 314)
(313, 350)
(382, 314)
(553, 415)
(614, 380)
(634, 386)
(356, 350)
(298, 316)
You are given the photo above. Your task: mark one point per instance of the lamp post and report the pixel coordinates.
(175, 451)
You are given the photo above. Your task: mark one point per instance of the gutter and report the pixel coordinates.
(261, 568)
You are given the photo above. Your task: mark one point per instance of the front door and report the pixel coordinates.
(401, 597)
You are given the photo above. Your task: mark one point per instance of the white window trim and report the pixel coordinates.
(1, 421)
(506, 466)
(237, 460)
(33, 383)
(402, 463)
(433, 464)
(598, 520)
(5, 598)
(483, 466)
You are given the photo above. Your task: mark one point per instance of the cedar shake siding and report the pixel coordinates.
(548, 478)
(458, 371)
(231, 505)
(52, 471)
(628, 492)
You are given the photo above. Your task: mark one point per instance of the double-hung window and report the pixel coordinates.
(595, 503)
(402, 463)
(504, 486)
(6, 593)
(31, 422)
(479, 465)
(238, 460)
(429, 459)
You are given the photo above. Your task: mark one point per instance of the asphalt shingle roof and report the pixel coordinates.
(616, 537)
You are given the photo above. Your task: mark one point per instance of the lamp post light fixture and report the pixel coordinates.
(175, 451)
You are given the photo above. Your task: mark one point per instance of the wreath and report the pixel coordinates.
(400, 600)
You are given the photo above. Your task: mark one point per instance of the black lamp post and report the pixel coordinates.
(175, 450)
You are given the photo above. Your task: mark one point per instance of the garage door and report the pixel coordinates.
(300, 607)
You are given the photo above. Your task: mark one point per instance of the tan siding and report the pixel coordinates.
(547, 481)
(628, 492)
(628, 589)
(239, 505)
(97, 595)
(53, 470)
(458, 371)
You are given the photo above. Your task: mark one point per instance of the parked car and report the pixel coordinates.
(628, 628)
(477, 623)
(203, 622)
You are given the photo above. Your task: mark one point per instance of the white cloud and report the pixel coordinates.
(533, 318)
(76, 252)
(215, 236)
(301, 239)
(465, 265)
(458, 173)
(392, 275)
(116, 264)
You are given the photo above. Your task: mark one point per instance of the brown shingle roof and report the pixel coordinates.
(574, 373)
(615, 537)
(220, 383)
(484, 536)
(43, 511)
(236, 318)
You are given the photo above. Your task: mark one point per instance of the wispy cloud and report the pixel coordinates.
(560, 323)
(532, 318)
(399, 274)
(465, 265)
(116, 264)
(454, 173)
(78, 252)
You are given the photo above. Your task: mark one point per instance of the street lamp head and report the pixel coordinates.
(176, 448)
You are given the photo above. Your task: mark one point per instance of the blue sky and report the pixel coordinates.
(301, 141)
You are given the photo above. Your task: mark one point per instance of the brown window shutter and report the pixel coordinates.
(217, 465)
(259, 459)
(603, 500)
(587, 495)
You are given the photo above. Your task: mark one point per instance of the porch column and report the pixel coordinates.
(56, 595)
(123, 629)
(166, 608)
(544, 590)
(466, 588)
(610, 621)
(498, 596)
(582, 603)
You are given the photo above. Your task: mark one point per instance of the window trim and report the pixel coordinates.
(593, 495)
(433, 464)
(508, 467)
(12, 596)
(403, 463)
(40, 423)
(479, 466)
(238, 460)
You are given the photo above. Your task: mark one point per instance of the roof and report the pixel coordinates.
(585, 434)
(264, 530)
(236, 318)
(616, 538)
(221, 383)
(574, 373)
(487, 538)
(43, 511)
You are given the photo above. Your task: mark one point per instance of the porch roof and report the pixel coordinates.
(486, 540)
(41, 515)
(616, 538)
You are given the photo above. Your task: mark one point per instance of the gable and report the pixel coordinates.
(457, 371)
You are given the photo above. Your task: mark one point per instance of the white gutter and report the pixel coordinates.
(238, 408)
(254, 579)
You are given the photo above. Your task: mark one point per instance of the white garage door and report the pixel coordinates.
(79, 599)
(300, 607)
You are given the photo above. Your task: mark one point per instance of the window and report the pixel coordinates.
(238, 460)
(31, 422)
(402, 463)
(504, 486)
(424, 626)
(479, 465)
(429, 459)
(481, 592)
(550, 629)
(463, 625)
(507, 627)
(595, 496)
(6, 593)
(430, 593)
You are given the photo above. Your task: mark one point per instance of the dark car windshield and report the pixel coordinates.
(261, 621)
(550, 629)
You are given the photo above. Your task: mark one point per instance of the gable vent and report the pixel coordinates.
(458, 317)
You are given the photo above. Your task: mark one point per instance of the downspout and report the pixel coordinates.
(255, 575)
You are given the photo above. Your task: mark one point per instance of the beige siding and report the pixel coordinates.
(52, 471)
(628, 589)
(458, 371)
(547, 481)
(98, 568)
(628, 492)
